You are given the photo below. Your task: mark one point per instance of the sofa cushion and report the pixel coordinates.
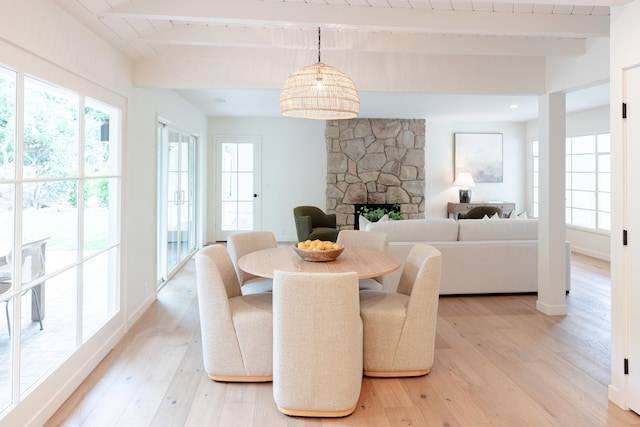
(418, 230)
(499, 229)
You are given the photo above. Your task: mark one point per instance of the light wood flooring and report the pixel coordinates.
(499, 362)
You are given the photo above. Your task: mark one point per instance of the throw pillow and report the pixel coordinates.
(513, 215)
(486, 216)
(495, 216)
(362, 221)
(523, 215)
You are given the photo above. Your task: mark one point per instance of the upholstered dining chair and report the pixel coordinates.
(33, 258)
(237, 330)
(478, 212)
(312, 223)
(399, 328)
(240, 244)
(317, 343)
(375, 240)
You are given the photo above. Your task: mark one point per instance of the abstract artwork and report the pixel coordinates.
(480, 154)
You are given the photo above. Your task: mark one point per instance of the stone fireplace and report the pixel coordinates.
(375, 161)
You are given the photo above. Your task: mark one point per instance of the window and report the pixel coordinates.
(588, 181)
(588, 198)
(60, 193)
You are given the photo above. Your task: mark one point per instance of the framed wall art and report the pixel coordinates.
(480, 154)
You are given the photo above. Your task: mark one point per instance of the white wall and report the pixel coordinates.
(140, 214)
(43, 28)
(590, 122)
(294, 168)
(439, 165)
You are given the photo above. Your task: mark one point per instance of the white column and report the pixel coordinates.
(552, 263)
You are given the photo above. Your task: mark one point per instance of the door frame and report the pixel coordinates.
(631, 252)
(162, 271)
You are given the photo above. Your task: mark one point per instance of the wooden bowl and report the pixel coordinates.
(318, 256)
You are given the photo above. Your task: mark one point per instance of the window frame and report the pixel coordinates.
(598, 193)
(20, 396)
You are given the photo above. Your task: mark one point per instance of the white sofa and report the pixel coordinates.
(478, 256)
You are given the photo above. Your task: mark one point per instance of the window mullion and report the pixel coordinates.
(18, 160)
(80, 185)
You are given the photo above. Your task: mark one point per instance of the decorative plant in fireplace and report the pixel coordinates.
(373, 215)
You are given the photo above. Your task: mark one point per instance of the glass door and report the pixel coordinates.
(238, 186)
(176, 225)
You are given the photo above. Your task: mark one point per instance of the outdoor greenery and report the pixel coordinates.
(51, 168)
(51, 144)
(376, 214)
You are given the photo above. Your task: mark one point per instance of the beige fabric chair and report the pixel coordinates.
(317, 337)
(400, 327)
(237, 330)
(243, 243)
(375, 240)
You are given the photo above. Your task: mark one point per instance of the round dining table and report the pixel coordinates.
(366, 262)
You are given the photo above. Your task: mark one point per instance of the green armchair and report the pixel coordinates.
(312, 223)
(478, 212)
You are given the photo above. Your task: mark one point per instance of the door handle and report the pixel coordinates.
(255, 194)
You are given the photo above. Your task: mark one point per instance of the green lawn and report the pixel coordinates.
(61, 226)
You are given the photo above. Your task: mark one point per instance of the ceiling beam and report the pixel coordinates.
(421, 43)
(224, 67)
(281, 14)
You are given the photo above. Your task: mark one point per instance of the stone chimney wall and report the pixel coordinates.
(375, 161)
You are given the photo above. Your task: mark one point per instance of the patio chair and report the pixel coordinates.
(32, 256)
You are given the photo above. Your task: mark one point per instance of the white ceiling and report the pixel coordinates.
(165, 39)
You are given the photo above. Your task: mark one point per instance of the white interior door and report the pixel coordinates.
(631, 144)
(238, 187)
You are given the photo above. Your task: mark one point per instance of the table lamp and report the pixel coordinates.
(465, 182)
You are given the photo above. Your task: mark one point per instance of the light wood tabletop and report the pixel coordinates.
(366, 262)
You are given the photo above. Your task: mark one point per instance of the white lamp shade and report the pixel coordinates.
(321, 92)
(464, 180)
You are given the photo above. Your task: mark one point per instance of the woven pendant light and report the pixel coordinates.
(320, 92)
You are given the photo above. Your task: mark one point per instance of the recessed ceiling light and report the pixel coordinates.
(222, 100)
(513, 106)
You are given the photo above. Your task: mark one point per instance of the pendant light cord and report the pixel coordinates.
(319, 45)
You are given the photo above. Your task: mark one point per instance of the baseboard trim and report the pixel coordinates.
(590, 253)
(551, 310)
